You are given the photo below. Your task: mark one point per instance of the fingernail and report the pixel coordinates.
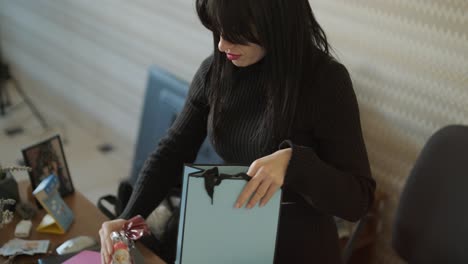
(237, 205)
(261, 205)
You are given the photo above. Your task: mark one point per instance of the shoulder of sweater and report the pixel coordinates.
(206, 65)
(200, 78)
(329, 77)
(334, 69)
(327, 86)
(328, 69)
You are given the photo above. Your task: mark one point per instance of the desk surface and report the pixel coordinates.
(88, 220)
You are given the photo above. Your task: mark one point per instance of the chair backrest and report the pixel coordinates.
(164, 99)
(431, 224)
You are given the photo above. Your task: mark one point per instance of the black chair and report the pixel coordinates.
(354, 236)
(431, 224)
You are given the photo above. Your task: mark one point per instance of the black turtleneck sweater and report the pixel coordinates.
(328, 174)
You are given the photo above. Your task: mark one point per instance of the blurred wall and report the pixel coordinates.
(408, 61)
(92, 56)
(409, 64)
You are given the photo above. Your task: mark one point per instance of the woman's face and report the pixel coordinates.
(241, 55)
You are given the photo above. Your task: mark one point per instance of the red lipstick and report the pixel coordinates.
(232, 57)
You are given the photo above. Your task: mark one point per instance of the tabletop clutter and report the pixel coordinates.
(58, 220)
(50, 181)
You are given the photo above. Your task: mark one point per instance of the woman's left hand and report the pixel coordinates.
(267, 177)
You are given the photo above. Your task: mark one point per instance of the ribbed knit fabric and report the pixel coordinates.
(328, 174)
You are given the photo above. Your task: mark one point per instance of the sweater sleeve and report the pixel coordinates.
(163, 168)
(334, 176)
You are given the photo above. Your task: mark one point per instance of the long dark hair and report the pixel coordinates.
(291, 36)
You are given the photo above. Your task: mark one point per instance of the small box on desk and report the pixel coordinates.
(60, 216)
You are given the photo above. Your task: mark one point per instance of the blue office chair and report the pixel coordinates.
(164, 99)
(165, 96)
(431, 224)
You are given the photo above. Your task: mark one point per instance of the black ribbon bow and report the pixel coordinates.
(213, 178)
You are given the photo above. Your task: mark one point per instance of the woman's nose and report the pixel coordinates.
(224, 45)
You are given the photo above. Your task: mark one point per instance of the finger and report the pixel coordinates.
(103, 253)
(249, 188)
(271, 191)
(110, 249)
(259, 193)
(101, 238)
(254, 167)
(103, 246)
(106, 243)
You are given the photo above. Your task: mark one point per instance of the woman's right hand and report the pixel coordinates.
(106, 243)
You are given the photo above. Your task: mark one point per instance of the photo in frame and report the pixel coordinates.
(46, 158)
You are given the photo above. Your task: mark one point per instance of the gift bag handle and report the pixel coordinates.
(213, 178)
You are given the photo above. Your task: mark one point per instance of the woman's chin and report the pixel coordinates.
(240, 64)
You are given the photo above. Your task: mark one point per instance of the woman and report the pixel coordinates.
(271, 96)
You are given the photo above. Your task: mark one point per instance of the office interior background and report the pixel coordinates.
(86, 62)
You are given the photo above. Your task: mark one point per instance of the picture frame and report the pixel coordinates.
(45, 158)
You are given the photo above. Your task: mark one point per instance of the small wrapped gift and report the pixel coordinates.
(124, 240)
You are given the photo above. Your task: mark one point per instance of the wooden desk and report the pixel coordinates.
(88, 220)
